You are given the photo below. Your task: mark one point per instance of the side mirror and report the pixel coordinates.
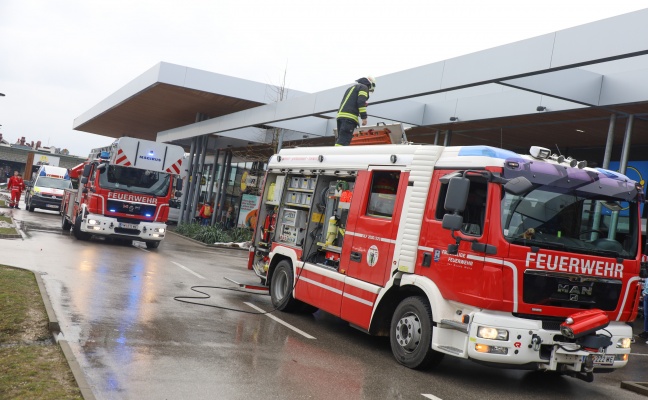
(178, 185)
(84, 180)
(86, 171)
(452, 222)
(178, 194)
(643, 272)
(457, 195)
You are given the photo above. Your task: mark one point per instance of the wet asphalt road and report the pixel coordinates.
(115, 306)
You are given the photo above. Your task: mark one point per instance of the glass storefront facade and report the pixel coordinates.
(243, 180)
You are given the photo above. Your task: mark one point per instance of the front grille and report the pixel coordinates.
(131, 208)
(571, 291)
(551, 325)
(125, 231)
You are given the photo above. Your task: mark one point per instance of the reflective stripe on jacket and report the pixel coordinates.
(354, 103)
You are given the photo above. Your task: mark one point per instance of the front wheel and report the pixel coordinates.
(281, 287)
(153, 245)
(65, 224)
(77, 230)
(410, 334)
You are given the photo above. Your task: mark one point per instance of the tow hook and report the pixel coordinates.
(536, 341)
(587, 372)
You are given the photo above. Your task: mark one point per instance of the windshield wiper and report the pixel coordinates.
(538, 243)
(600, 252)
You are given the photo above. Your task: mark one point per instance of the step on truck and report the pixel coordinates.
(124, 191)
(517, 261)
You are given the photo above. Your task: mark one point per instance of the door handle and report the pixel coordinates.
(356, 256)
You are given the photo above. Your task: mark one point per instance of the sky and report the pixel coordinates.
(60, 58)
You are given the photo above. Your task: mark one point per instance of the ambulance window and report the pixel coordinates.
(382, 198)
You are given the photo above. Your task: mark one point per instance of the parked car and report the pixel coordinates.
(174, 211)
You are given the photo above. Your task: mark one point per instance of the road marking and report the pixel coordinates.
(188, 270)
(137, 247)
(430, 396)
(284, 323)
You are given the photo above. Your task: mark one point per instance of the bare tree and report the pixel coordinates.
(280, 93)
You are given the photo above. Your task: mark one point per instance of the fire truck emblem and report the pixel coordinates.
(372, 255)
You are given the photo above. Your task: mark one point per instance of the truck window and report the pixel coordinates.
(382, 197)
(54, 183)
(475, 211)
(134, 180)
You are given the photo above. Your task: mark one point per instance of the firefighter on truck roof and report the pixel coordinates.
(354, 104)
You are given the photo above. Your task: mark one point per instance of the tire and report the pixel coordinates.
(77, 230)
(153, 245)
(65, 224)
(281, 287)
(410, 334)
(28, 206)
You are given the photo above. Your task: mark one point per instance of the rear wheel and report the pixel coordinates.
(411, 334)
(153, 245)
(65, 224)
(77, 230)
(281, 287)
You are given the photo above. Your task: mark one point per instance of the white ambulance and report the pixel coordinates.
(46, 190)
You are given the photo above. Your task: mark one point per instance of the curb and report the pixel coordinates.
(55, 329)
(637, 387)
(213, 246)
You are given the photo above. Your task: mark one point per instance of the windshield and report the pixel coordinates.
(134, 180)
(53, 183)
(572, 221)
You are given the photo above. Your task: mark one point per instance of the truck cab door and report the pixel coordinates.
(462, 276)
(370, 236)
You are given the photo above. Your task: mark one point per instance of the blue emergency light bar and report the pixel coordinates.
(486, 151)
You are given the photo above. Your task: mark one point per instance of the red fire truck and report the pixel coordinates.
(124, 191)
(523, 261)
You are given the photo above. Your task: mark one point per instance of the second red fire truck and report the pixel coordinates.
(524, 261)
(124, 191)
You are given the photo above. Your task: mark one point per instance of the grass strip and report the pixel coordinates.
(32, 366)
(7, 231)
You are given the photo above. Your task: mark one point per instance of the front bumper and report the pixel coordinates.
(529, 344)
(107, 226)
(47, 203)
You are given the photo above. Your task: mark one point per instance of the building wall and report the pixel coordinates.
(14, 159)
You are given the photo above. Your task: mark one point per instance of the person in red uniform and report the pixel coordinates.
(205, 214)
(16, 185)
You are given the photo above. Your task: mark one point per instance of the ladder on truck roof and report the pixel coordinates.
(381, 133)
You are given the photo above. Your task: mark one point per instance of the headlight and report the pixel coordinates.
(93, 222)
(624, 343)
(486, 332)
(160, 230)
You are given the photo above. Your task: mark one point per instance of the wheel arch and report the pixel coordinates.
(404, 286)
(278, 255)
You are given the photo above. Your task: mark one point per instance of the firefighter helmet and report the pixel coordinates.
(372, 81)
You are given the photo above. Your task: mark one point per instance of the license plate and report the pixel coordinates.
(51, 206)
(604, 360)
(128, 226)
